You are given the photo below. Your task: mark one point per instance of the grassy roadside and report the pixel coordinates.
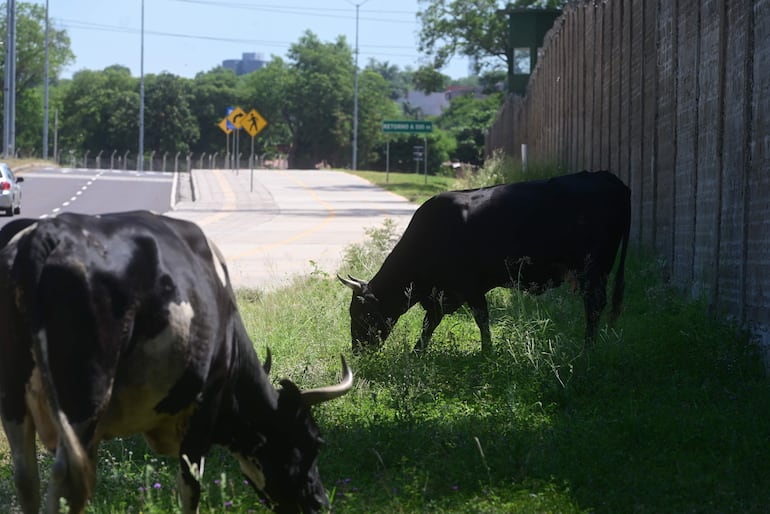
(668, 412)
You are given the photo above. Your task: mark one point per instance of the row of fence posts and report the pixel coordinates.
(204, 161)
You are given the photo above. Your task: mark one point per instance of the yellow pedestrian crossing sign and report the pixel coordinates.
(253, 123)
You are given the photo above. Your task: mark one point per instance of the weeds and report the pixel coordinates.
(669, 411)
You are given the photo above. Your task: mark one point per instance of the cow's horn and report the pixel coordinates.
(324, 394)
(268, 362)
(353, 283)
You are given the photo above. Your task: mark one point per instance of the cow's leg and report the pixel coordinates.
(480, 312)
(436, 306)
(433, 317)
(21, 439)
(594, 299)
(193, 447)
(189, 489)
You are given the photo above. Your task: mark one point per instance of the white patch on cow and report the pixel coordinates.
(252, 469)
(180, 316)
(18, 235)
(218, 262)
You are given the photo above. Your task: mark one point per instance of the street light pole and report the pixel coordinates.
(9, 112)
(355, 96)
(45, 87)
(140, 156)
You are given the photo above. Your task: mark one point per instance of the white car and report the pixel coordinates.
(10, 191)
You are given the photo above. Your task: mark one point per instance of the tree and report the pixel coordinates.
(100, 111)
(30, 64)
(319, 101)
(266, 91)
(211, 93)
(374, 105)
(429, 80)
(467, 119)
(472, 28)
(398, 81)
(169, 123)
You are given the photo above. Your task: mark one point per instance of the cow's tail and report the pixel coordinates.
(72, 471)
(620, 277)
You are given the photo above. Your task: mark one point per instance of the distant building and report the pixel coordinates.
(433, 104)
(249, 62)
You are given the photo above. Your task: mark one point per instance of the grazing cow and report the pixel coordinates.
(531, 235)
(127, 323)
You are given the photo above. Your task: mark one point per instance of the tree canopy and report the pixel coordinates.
(470, 28)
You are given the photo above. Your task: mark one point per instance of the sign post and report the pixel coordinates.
(409, 127)
(235, 120)
(253, 123)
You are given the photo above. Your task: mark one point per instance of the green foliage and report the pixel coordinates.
(427, 79)
(169, 122)
(210, 96)
(501, 169)
(399, 81)
(471, 28)
(373, 107)
(265, 90)
(100, 111)
(412, 186)
(319, 101)
(669, 411)
(467, 119)
(30, 65)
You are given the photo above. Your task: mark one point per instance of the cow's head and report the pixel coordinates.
(282, 465)
(369, 325)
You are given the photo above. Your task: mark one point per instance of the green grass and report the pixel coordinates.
(411, 186)
(669, 411)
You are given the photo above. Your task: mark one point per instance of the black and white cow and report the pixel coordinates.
(127, 323)
(529, 235)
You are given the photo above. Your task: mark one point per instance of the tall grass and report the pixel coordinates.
(669, 411)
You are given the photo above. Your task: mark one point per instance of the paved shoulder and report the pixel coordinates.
(280, 223)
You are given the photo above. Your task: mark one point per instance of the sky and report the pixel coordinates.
(185, 37)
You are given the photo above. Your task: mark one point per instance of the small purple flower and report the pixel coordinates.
(156, 485)
(455, 487)
(217, 482)
(228, 504)
(141, 489)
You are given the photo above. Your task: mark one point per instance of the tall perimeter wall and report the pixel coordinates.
(674, 98)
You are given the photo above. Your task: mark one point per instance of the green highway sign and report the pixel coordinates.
(408, 126)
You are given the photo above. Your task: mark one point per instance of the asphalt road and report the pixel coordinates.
(49, 191)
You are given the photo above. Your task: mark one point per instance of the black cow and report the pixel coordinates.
(530, 235)
(126, 323)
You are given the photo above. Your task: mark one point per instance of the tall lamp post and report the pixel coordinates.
(45, 87)
(355, 96)
(9, 112)
(140, 156)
